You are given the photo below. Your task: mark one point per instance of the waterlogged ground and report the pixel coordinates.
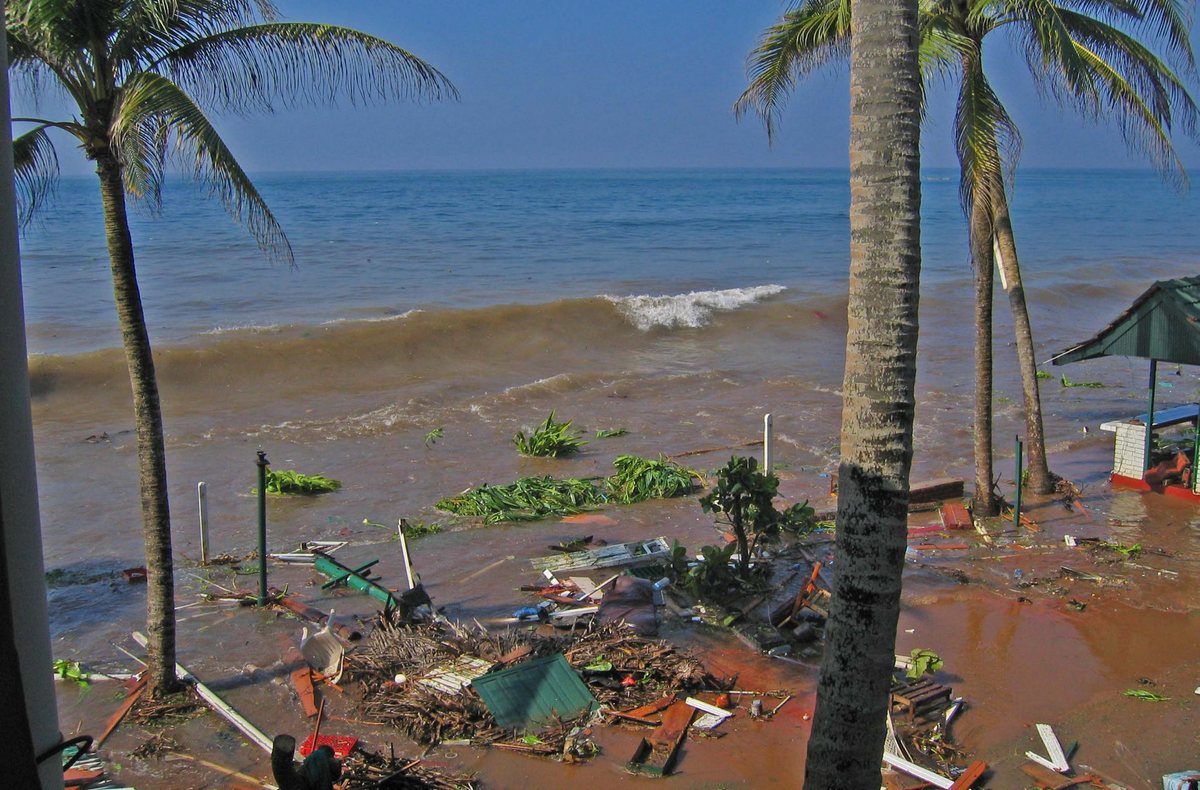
(1000, 615)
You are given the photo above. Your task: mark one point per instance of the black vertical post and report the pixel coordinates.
(262, 527)
(1017, 505)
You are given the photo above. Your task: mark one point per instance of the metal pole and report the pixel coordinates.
(202, 495)
(1150, 415)
(262, 527)
(768, 424)
(1017, 504)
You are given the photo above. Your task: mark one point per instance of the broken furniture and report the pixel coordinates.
(355, 578)
(638, 552)
(920, 700)
(655, 755)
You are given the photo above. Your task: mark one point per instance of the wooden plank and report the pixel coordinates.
(653, 707)
(1049, 780)
(122, 710)
(938, 490)
(970, 776)
(955, 516)
(676, 720)
(302, 682)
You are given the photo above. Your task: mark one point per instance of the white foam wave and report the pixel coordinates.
(224, 330)
(692, 310)
(374, 319)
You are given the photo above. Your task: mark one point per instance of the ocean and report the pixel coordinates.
(679, 306)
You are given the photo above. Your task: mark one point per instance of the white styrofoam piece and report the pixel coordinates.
(1053, 747)
(704, 706)
(912, 769)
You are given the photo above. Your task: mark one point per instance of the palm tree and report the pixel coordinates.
(1085, 53)
(879, 396)
(140, 73)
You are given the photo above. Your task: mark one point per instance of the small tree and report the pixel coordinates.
(743, 497)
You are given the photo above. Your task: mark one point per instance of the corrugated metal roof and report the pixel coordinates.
(1163, 324)
(533, 693)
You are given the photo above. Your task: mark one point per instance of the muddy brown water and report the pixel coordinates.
(1014, 648)
(356, 403)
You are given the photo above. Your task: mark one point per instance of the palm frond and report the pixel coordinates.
(152, 104)
(35, 172)
(807, 38)
(149, 29)
(1108, 73)
(986, 139)
(291, 62)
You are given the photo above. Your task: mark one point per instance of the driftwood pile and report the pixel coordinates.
(621, 669)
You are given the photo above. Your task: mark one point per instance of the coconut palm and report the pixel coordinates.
(879, 396)
(1084, 53)
(143, 76)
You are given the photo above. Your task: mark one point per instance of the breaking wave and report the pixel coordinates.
(691, 310)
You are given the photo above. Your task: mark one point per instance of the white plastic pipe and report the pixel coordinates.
(768, 424)
(202, 495)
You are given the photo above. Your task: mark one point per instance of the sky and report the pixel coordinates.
(616, 84)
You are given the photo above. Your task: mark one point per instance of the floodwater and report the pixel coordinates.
(1013, 648)
(681, 307)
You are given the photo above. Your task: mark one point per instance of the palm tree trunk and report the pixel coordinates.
(1040, 479)
(878, 402)
(983, 500)
(152, 465)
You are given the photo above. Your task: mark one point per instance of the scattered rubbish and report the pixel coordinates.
(955, 516)
(122, 710)
(708, 721)
(356, 578)
(631, 601)
(323, 651)
(1145, 696)
(638, 552)
(306, 555)
(225, 771)
(756, 709)
(655, 755)
(454, 676)
(135, 575)
(216, 703)
(313, 615)
(1057, 760)
(535, 692)
(1184, 780)
(427, 715)
(712, 709)
(783, 702)
(912, 769)
(921, 699)
(341, 745)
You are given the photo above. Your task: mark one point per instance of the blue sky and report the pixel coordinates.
(622, 83)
